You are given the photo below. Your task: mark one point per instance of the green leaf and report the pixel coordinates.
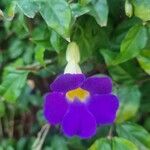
(40, 36)
(121, 31)
(1, 148)
(2, 109)
(116, 143)
(10, 11)
(78, 10)
(84, 2)
(76, 143)
(40, 117)
(19, 26)
(119, 73)
(39, 54)
(122, 144)
(99, 10)
(15, 48)
(129, 102)
(57, 42)
(28, 7)
(59, 143)
(101, 144)
(144, 60)
(1, 58)
(13, 82)
(21, 143)
(135, 133)
(89, 39)
(133, 43)
(147, 123)
(108, 56)
(142, 9)
(57, 15)
(28, 54)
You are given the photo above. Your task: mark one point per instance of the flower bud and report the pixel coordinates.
(73, 58)
(72, 68)
(128, 8)
(1, 14)
(72, 53)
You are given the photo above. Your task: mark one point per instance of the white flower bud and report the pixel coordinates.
(128, 8)
(73, 58)
(72, 68)
(72, 53)
(1, 14)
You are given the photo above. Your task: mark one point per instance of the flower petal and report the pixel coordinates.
(98, 85)
(104, 108)
(55, 107)
(66, 82)
(79, 121)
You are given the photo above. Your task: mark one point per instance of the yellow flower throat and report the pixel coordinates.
(79, 94)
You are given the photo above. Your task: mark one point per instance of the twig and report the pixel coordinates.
(1, 129)
(110, 133)
(143, 81)
(37, 145)
(70, 1)
(9, 122)
(35, 67)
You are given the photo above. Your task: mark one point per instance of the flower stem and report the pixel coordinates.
(110, 133)
(37, 145)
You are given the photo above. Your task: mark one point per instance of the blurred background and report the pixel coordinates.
(114, 39)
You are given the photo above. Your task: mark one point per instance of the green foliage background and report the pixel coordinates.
(114, 39)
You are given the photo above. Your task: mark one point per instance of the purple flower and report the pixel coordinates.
(79, 104)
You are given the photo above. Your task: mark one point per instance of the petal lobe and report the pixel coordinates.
(55, 107)
(104, 108)
(98, 85)
(66, 82)
(79, 121)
